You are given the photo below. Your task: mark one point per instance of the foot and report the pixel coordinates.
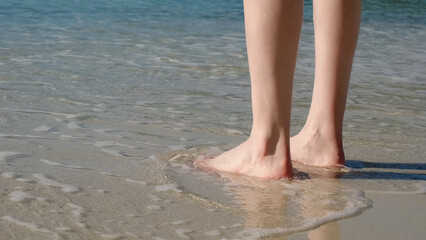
(252, 158)
(316, 149)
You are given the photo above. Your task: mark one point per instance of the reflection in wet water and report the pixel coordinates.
(274, 209)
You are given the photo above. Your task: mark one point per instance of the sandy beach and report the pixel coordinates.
(105, 106)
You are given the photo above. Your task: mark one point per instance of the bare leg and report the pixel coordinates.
(272, 32)
(336, 24)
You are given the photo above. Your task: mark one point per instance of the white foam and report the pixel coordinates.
(77, 212)
(154, 207)
(111, 236)
(6, 154)
(52, 183)
(106, 131)
(74, 125)
(30, 226)
(168, 187)
(22, 60)
(110, 143)
(214, 233)
(159, 238)
(19, 196)
(154, 158)
(151, 144)
(113, 152)
(132, 235)
(234, 131)
(63, 229)
(73, 102)
(236, 225)
(71, 115)
(110, 174)
(8, 174)
(182, 167)
(178, 157)
(182, 232)
(178, 147)
(154, 198)
(52, 163)
(355, 205)
(100, 110)
(180, 222)
(21, 179)
(43, 128)
(19, 136)
(421, 187)
(135, 181)
(66, 115)
(67, 136)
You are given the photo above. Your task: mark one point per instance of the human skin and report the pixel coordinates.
(336, 26)
(272, 33)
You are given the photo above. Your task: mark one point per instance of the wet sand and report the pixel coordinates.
(104, 109)
(76, 188)
(388, 219)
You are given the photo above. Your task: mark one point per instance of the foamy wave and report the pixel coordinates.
(110, 144)
(355, 205)
(30, 226)
(19, 196)
(74, 125)
(182, 232)
(43, 128)
(8, 174)
(112, 152)
(77, 212)
(135, 181)
(52, 183)
(6, 155)
(52, 163)
(66, 115)
(168, 187)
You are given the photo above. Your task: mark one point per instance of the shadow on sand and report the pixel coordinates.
(389, 171)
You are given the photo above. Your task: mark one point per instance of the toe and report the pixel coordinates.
(203, 162)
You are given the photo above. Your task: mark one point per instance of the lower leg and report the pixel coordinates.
(272, 31)
(336, 24)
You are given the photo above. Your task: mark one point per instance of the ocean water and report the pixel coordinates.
(104, 105)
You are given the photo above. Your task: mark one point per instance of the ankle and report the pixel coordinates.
(265, 145)
(318, 146)
(271, 150)
(315, 132)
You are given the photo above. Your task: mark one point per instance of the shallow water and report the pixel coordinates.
(104, 106)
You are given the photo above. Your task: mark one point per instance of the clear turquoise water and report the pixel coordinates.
(106, 88)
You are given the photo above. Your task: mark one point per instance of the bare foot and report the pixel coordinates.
(252, 159)
(315, 149)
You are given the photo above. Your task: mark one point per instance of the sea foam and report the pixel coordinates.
(355, 205)
(52, 183)
(30, 226)
(19, 196)
(168, 187)
(52, 163)
(5, 155)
